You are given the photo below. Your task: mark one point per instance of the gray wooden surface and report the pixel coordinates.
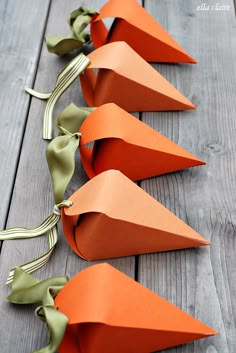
(200, 281)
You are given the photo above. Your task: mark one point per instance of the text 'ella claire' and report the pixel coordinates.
(214, 7)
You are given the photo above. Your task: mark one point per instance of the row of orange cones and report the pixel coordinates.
(108, 220)
(120, 57)
(107, 311)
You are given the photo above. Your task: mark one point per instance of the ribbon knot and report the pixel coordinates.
(64, 203)
(64, 131)
(78, 21)
(60, 155)
(29, 290)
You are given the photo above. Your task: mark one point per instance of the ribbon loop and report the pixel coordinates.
(28, 290)
(73, 117)
(64, 80)
(78, 21)
(60, 155)
(49, 226)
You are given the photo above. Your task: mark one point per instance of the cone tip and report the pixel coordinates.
(201, 241)
(200, 162)
(205, 242)
(211, 332)
(192, 60)
(192, 106)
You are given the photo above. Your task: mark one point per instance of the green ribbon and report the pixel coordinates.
(60, 152)
(73, 117)
(66, 77)
(29, 290)
(60, 155)
(78, 21)
(49, 226)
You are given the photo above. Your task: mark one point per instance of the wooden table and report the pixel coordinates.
(200, 281)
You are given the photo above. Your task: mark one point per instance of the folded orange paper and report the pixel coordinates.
(112, 217)
(126, 79)
(110, 312)
(124, 143)
(134, 25)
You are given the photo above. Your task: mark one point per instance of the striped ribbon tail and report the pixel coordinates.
(39, 262)
(49, 226)
(67, 76)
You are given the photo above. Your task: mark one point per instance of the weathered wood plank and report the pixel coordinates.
(32, 200)
(21, 28)
(200, 281)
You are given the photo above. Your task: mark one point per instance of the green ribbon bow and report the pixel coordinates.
(78, 21)
(60, 152)
(29, 290)
(60, 155)
(49, 226)
(66, 77)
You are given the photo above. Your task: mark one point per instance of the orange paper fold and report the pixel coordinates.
(109, 312)
(126, 79)
(112, 217)
(124, 143)
(134, 25)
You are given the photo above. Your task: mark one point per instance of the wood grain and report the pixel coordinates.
(21, 27)
(200, 281)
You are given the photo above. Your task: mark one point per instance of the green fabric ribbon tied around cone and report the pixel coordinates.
(78, 21)
(60, 152)
(73, 117)
(28, 290)
(60, 155)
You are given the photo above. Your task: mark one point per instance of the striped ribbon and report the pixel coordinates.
(66, 77)
(49, 226)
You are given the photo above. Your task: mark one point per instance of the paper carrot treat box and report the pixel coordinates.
(102, 310)
(114, 73)
(132, 24)
(120, 141)
(126, 79)
(109, 217)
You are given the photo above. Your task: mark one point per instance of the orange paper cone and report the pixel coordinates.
(112, 217)
(124, 143)
(109, 312)
(135, 26)
(129, 81)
